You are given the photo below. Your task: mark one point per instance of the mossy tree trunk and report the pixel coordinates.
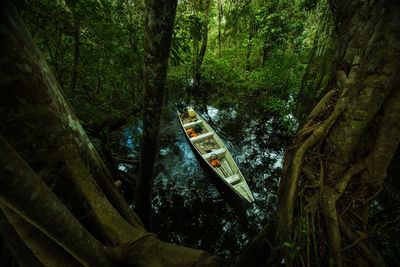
(315, 82)
(57, 197)
(19, 249)
(159, 22)
(338, 161)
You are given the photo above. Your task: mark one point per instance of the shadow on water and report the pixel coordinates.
(194, 209)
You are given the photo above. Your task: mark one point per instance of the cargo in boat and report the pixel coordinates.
(213, 152)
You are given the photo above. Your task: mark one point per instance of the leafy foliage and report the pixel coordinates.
(265, 47)
(110, 51)
(255, 63)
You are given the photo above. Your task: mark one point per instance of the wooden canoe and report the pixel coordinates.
(209, 146)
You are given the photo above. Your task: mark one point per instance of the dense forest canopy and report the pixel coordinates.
(259, 45)
(314, 80)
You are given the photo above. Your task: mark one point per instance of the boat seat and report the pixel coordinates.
(233, 179)
(201, 137)
(191, 124)
(217, 152)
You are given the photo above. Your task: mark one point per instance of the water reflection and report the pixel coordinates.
(188, 208)
(130, 137)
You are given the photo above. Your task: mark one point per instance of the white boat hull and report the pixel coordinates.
(209, 146)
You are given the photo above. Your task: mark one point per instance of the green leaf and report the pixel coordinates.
(289, 245)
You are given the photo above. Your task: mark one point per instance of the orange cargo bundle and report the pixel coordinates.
(215, 163)
(191, 133)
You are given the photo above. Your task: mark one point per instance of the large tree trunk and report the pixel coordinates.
(22, 253)
(322, 57)
(25, 193)
(53, 185)
(338, 162)
(160, 16)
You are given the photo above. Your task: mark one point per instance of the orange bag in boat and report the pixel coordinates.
(189, 131)
(215, 163)
(194, 135)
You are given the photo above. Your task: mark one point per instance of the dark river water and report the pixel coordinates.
(190, 209)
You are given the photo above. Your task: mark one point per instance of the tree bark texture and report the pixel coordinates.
(25, 193)
(337, 163)
(53, 185)
(46, 250)
(159, 22)
(314, 84)
(20, 251)
(68, 148)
